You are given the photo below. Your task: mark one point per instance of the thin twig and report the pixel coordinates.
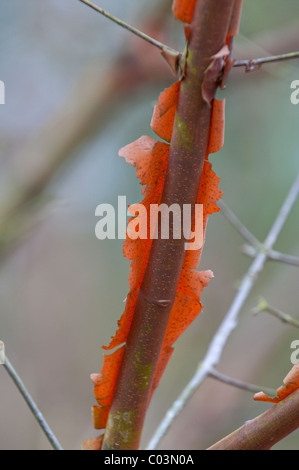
(254, 64)
(240, 384)
(235, 221)
(283, 258)
(171, 56)
(254, 244)
(263, 306)
(229, 323)
(32, 405)
(272, 255)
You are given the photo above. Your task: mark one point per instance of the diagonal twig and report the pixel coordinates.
(254, 245)
(32, 405)
(240, 384)
(263, 306)
(283, 258)
(241, 228)
(171, 56)
(229, 323)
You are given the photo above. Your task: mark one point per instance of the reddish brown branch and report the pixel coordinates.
(263, 432)
(209, 30)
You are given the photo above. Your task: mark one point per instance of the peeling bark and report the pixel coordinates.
(208, 33)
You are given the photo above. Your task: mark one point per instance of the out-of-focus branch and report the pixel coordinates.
(272, 255)
(89, 104)
(263, 306)
(255, 64)
(284, 258)
(240, 384)
(171, 56)
(239, 226)
(86, 108)
(254, 244)
(263, 432)
(229, 323)
(32, 405)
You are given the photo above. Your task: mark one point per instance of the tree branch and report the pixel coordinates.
(263, 432)
(254, 64)
(283, 258)
(239, 226)
(254, 245)
(273, 255)
(187, 153)
(265, 307)
(171, 56)
(229, 323)
(32, 405)
(240, 384)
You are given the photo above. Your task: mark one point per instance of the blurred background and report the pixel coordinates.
(78, 88)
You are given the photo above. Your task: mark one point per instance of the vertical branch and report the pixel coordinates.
(156, 297)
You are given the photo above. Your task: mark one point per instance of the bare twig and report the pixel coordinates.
(229, 323)
(240, 384)
(32, 405)
(85, 110)
(263, 432)
(283, 258)
(272, 255)
(254, 244)
(235, 221)
(171, 56)
(263, 306)
(254, 64)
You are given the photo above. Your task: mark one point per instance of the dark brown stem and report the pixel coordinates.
(263, 432)
(158, 290)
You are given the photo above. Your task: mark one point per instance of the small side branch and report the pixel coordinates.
(240, 384)
(254, 245)
(283, 258)
(171, 56)
(273, 255)
(254, 64)
(263, 432)
(239, 226)
(265, 307)
(32, 405)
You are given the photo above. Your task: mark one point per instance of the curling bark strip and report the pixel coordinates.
(165, 290)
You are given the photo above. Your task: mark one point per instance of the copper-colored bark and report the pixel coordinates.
(263, 432)
(209, 30)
